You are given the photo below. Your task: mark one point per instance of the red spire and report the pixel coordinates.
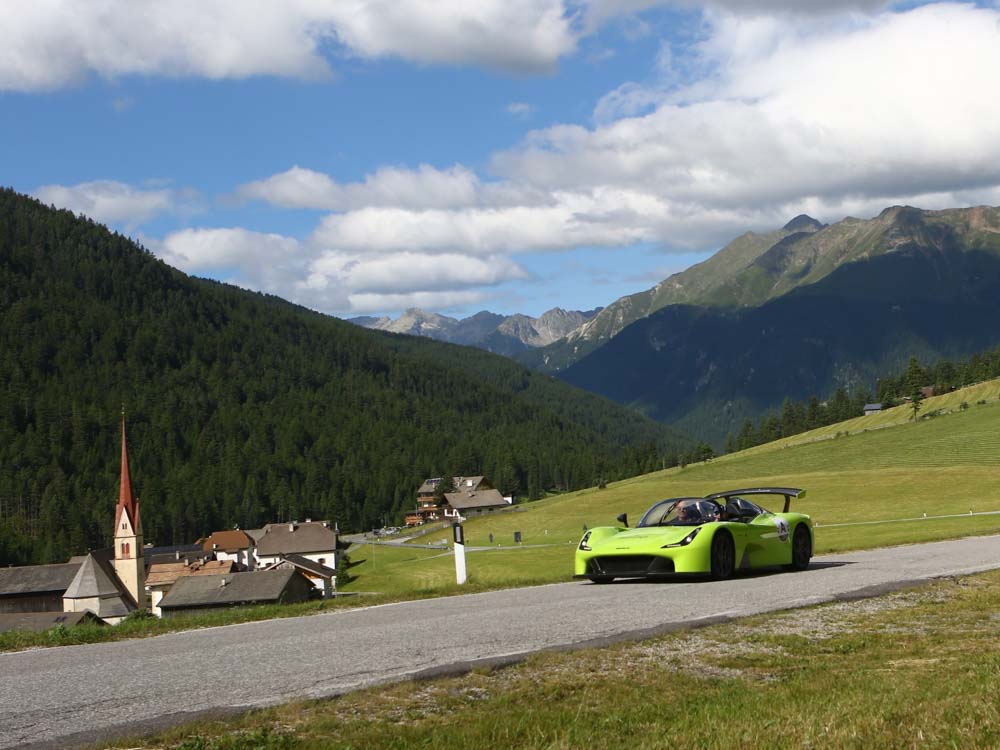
(126, 501)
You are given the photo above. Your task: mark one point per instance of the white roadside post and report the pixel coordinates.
(459, 533)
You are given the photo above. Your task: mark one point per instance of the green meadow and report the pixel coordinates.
(874, 472)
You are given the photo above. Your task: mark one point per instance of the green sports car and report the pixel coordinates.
(713, 535)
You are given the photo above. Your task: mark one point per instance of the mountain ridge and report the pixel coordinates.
(851, 304)
(500, 334)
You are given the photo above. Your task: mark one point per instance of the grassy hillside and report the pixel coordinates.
(879, 470)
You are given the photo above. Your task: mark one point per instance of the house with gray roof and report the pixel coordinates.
(430, 508)
(475, 502)
(314, 540)
(200, 593)
(35, 588)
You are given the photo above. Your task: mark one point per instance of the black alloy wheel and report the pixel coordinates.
(802, 548)
(723, 556)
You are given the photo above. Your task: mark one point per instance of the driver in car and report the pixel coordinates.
(688, 513)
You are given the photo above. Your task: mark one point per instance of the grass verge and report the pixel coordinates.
(911, 669)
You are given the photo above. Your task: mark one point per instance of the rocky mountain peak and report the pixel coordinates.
(804, 223)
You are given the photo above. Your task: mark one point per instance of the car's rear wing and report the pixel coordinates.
(787, 492)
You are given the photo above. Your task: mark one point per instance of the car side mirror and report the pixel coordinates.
(623, 519)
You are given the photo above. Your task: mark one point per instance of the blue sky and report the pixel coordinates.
(364, 156)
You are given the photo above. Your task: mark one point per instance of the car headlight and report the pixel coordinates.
(583, 542)
(685, 541)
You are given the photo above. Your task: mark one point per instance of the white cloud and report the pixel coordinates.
(333, 280)
(424, 187)
(113, 202)
(860, 112)
(49, 44)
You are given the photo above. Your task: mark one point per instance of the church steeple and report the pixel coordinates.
(127, 503)
(128, 562)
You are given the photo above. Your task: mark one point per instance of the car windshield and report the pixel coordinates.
(686, 511)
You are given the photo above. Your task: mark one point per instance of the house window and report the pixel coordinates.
(125, 549)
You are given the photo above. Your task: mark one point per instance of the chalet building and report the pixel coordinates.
(469, 503)
(234, 545)
(200, 593)
(872, 409)
(313, 540)
(471, 495)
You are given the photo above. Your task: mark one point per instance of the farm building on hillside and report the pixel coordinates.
(470, 495)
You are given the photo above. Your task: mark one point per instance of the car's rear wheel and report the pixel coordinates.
(723, 555)
(601, 579)
(802, 548)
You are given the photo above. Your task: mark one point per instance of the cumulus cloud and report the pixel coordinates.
(48, 44)
(113, 202)
(862, 112)
(333, 280)
(424, 187)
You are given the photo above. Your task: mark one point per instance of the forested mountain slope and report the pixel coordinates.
(243, 408)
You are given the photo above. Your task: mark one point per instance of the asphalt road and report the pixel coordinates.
(61, 697)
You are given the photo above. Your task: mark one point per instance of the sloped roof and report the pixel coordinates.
(228, 541)
(166, 573)
(481, 499)
(36, 579)
(240, 588)
(39, 622)
(460, 483)
(91, 580)
(97, 578)
(255, 534)
(310, 566)
(296, 538)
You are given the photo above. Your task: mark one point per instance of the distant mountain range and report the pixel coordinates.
(793, 313)
(502, 334)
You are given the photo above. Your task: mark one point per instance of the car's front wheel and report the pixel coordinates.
(802, 548)
(723, 556)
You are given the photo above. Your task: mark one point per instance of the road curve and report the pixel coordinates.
(61, 697)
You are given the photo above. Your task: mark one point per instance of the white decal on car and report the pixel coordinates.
(782, 525)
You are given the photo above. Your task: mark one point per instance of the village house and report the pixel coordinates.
(160, 577)
(200, 593)
(872, 409)
(313, 540)
(234, 545)
(470, 496)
